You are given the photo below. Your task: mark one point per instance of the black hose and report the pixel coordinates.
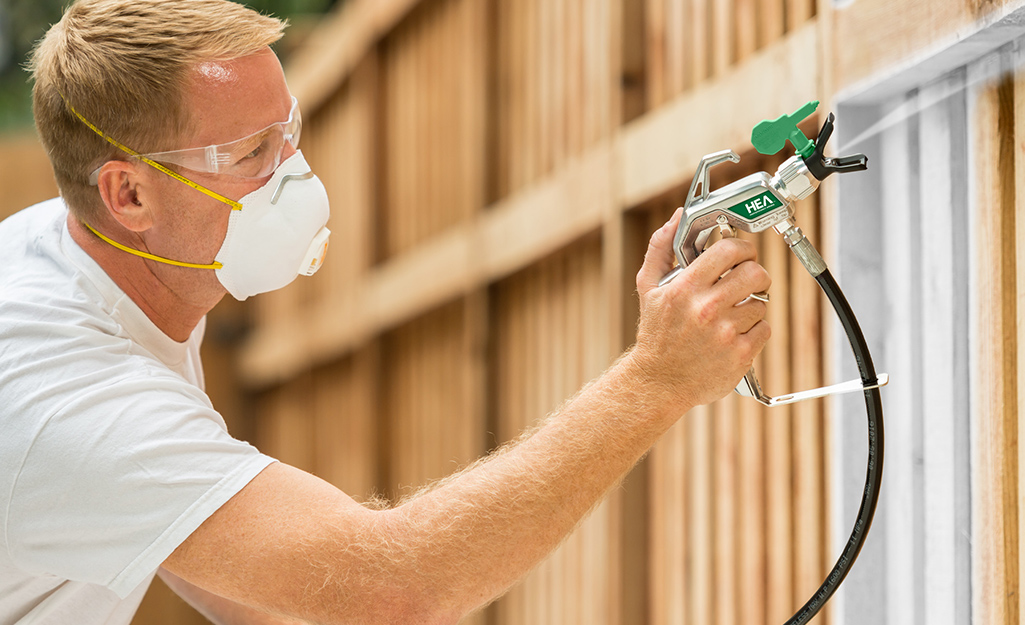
(874, 477)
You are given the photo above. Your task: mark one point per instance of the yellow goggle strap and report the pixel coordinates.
(236, 206)
(159, 259)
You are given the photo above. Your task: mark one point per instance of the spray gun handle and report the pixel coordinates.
(685, 233)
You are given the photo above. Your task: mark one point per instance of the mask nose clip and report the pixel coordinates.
(287, 177)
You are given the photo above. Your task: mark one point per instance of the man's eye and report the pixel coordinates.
(254, 154)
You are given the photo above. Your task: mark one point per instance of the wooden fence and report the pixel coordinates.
(935, 241)
(25, 174)
(492, 201)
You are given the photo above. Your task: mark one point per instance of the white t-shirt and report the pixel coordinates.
(110, 452)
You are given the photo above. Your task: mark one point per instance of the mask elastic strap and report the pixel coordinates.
(237, 206)
(159, 259)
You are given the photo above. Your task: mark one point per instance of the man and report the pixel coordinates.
(173, 140)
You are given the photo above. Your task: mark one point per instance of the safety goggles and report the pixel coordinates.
(253, 156)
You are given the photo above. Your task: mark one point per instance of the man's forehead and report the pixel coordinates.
(233, 98)
(216, 72)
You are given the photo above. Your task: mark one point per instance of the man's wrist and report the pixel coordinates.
(650, 386)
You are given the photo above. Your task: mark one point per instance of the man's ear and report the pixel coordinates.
(118, 182)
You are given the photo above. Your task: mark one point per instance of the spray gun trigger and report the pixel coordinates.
(725, 229)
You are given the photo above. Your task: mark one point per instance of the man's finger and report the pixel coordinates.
(747, 314)
(758, 336)
(659, 258)
(721, 257)
(747, 278)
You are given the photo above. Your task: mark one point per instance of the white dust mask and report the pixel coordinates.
(274, 234)
(279, 233)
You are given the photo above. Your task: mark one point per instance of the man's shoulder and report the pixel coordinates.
(36, 273)
(30, 235)
(53, 323)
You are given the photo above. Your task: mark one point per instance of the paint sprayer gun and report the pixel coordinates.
(759, 202)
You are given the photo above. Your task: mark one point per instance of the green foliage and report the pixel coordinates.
(22, 22)
(284, 8)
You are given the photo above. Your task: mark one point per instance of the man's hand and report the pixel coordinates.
(699, 334)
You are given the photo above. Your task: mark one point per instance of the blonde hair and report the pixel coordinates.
(124, 66)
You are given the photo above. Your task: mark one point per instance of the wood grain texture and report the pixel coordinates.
(777, 378)
(811, 557)
(995, 508)
(1019, 286)
(544, 321)
(872, 38)
(25, 173)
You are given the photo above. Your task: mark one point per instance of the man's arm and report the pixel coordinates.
(295, 545)
(219, 610)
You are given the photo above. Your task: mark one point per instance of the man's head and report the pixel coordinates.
(128, 67)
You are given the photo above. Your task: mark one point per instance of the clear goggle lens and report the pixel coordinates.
(254, 156)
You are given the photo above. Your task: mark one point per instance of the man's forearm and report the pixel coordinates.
(475, 534)
(218, 610)
(290, 543)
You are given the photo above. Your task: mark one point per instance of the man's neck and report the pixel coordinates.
(175, 315)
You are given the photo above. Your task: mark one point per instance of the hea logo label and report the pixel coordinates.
(757, 206)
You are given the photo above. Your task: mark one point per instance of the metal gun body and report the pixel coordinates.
(751, 204)
(754, 204)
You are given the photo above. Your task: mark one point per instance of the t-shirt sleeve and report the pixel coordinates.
(118, 478)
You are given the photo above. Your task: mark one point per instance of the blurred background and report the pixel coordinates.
(495, 169)
(23, 22)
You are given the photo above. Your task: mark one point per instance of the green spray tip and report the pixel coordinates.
(769, 137)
